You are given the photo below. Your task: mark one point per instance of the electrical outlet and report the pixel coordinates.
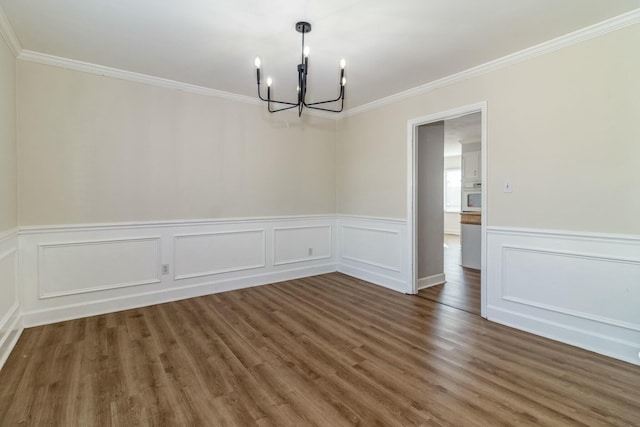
(310, 251)
(165, 268)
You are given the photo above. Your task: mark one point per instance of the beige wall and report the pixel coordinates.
(8, 181)
(94, 149)
(562, 127)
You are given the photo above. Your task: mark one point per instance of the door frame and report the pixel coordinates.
(412, 131)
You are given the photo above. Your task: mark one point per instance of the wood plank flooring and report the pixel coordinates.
(462, 289)
(328, 350)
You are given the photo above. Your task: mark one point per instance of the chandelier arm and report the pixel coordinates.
(259, 94)
(341, 96)
(281, 109)
(273, 101)
(313, 107)
(327, 109)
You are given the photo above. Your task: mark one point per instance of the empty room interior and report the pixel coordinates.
(329, 213)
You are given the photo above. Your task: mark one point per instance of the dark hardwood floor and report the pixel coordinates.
(328, 350)
(462, 289)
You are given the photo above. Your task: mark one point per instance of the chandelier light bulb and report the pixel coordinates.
(257, 62)
(344, 81)
(343, 63)
(269, 81)
(306, 51)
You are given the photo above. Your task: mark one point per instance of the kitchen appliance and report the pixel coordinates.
(472, 197)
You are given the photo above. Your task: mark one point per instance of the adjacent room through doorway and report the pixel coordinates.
(449, 201)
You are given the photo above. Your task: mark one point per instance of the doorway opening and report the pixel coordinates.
(433, 214)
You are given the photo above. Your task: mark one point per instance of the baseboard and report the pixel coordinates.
(12, 329)
(375, 278)
(577, 337)
(97, 307)
(452, 232)
(427, 282)
(579, 288)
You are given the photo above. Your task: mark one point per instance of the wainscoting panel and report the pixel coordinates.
(67, 268)
(374, 249)
(10, 324)
(206, 254)
(583, 289)
(76, 271)
(298, 244)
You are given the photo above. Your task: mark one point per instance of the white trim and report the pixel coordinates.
(9, 234)
(109, 305)
(42, 246)
(7, 33)
(37, 229)
(575, 37)
(375, 278)
(412, 126)
(9, 341)
(309, 258)
(101, 70)
(177, 237)
(388, 220)
(117, 73)
(575, 336)
(549, 307)
(429, 281)
(565, 234)
(372, 263)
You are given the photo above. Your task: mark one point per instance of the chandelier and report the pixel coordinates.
(303, 69)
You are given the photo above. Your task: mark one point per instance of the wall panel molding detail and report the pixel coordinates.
(76, 271)
(373, 249)
(354, 250)
(302, 243)
(68, 268)
(10, 320)
(582, 268)
(579, 288)
(206, 254)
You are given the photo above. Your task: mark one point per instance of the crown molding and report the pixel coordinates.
(613, 24)
(101, 70)
(601, 28)
(9, 36)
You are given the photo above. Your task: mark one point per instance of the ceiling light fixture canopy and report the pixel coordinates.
(303, 69)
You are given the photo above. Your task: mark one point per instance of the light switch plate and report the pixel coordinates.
(507, 186)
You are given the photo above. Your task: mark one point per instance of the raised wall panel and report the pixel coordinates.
(579, 288)
(10, 319)
(302, 243)
(8, 274)
(377, 247)
(206, 254)
(605, 289)
(88, 266)
(69, 272)
(374, 249)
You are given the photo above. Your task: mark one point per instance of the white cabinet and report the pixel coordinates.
(471, 166)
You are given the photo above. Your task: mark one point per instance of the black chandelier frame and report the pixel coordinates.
(302, 27)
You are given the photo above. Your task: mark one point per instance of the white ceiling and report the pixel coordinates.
(390, 46)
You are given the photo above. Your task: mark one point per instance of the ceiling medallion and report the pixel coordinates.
(303, 68)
